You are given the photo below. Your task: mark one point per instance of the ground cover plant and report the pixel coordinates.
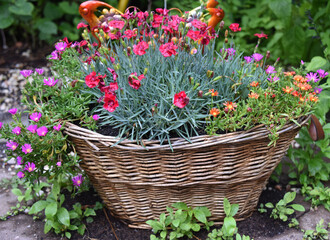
(150, 76)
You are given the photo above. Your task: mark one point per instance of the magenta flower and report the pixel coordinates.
(257, 57)
(61, 46)
(19, 160)
(312, 77)
(270, 70)
(77, 180)
(59, 164)
(96, 117)
(17, 130)
(12, 145)
(140, 48)
(1, 125)
(26, 148)
(35, 116)
(32, 128)
(20, 175)
(322, 73)
(54, 55)
(248, 59)
(42, 131)
(168, 49)
(30, 166)
(58, 127)
(13, 111)
(39, 71)
(273, 79)
(26, 73)
(302, 62)
(50, 82)
(318, 90)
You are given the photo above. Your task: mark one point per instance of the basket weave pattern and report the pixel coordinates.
(137, 183)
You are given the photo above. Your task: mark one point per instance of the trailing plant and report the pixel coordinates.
(180, 222)
(229, 228)
(282, 210)
(320, 232)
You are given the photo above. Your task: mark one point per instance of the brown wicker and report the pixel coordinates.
(137, 183)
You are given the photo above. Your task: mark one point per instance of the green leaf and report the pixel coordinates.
(298, 207)
(185, 226)
(68, 235)
(316, 63)
(162, 218)
(48, 226)
(89, 220)
(176, 222)
(196, 227)
(289, 197)
(229, 225)
(200, 216)
(73, 227)
(52, 11)
(63, 216)
(81, 229)
(153, 237)
(69, 7)
(6, 20)
(163, 234)
(51, 210)
(314, 166)
(17, 192)
(180, 205)
(89, 212)
(281, 8)
(46, 26)
(22, 7)
(226, 206)
(269, 205)
(38, 206)
(234, 209)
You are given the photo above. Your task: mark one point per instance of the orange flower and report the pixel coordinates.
(287, 89)
(289, 73)
(213, 93)
(295, 93)
(214, 112)
(230, 106)
(254, 84)
(253, 95)
(301, 99)
(313, 98)
(299, 78)
(304, 86)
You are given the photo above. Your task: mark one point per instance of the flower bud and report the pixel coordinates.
(209, 74)
(200, 93)
(112, 11)
(105, 11)
(226, 40)
(145, 71)
(226, 33)
(222, 24)
(174, 39)
(129, 50)
(196, 86)
(155, 36)
(267, 54)
(73, 83)
(191, 80)
(249, 109)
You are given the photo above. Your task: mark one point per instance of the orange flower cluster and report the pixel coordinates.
(253, 95)
(287, 89)
(254, 84)
(213, 93)
(230, 106)
(214, 112)
(289, 73)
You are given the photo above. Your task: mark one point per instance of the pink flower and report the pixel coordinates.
(140, 48)
(312, 77)
(92, 80)
(39, 71)
(13, 111)
(180, 99)
(42, 131)
(198, 24)
(248, 59)
(113, 86)
(302, 62)
(235, 27)
(57, 127)
(117, 24)
(168, 49)
(257, 56)
(194, 35)
(59, 164)
(54, 55)
(11, 145)
(77, 180)
(96, 117)
(19, 160)
(81, 25)
(32, 128)
(30, 166)
(129, 34)
(26, 148)
(261, 35)
(26, 73)
(35, 116)
(135, 81)
(50, 82)
(270, 70)
(110, 102)
(322, 73)
(1, 125)
(17, 130)
(61, 46)
(20, 174)
(114, 74)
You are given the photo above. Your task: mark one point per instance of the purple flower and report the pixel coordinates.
(19, 160)
(12, 145)
(26, 73)
(26, 148)
(77, 180)
(50, 82)
(1, 125)
(96, 117)
(13, 111)
(59, 164)
(302, 62)
(42, 131)
(35, 116)
(322, 73)
(30, 166)
(32, 128)
(270, 70)
(312, 77)
(248, 59)
(61, 46)
(257, 56)
(273, 79)
(54, 55)
(39, 71)
(20, 175)
(58, 127)
(318, 90)
(17, 130)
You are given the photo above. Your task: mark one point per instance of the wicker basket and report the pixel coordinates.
(137, 183)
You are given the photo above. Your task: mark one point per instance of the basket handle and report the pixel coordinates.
(315, 129)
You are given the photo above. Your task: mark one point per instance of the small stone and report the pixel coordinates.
(278, 187)
(12, 161)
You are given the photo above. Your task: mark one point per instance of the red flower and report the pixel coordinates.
(81, 25)
(235, 27)
(261, 35)
(194, 35)
(114, 74)
(129, 34)
(140, 48)
(110, 102)
(168, 49)
(157, 21)
(180, 99)
(92, 80)
(198, 24)
(117, 24)
(135, 81)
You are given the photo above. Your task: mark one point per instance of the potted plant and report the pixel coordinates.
(157, 115)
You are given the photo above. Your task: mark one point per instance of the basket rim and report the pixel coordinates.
(257, 132)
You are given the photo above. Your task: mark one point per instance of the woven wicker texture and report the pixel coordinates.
(137, 183)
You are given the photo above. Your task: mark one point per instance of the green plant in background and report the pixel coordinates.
(282, 210)
(320, 232)
(181, 222)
